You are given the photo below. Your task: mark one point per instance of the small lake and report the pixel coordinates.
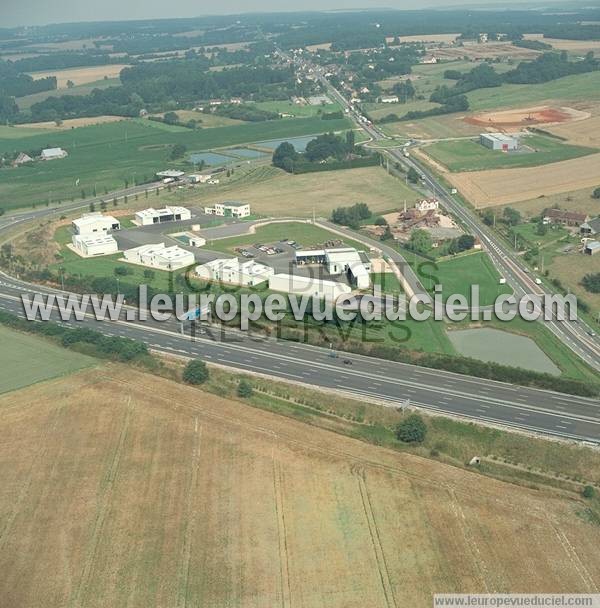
(210, 158)
(298, 142)
(502, 347)
(245, 153)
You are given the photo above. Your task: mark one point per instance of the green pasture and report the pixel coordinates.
(470, 155)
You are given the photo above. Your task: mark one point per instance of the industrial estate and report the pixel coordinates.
(364, 157)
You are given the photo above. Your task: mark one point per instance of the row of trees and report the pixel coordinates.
(351, 216)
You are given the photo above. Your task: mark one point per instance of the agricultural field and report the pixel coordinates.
(30, 360)
(144, 485)
(507, 186)
(536, 150)
(26, 102)
(272, 192)
(578, 87)
(299, 111)
(574, 47)
(459, 273)
(582, 132)
(84, 75)
(570, 269)
(207, 121)
(447, 38)
(70, 123)
(104, 156)
(576, 200)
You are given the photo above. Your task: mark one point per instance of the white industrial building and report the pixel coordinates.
(53, 154)
(308, 286)
(389, 99)
(229, 209)
(92, 245)
(231, 270)
(95, 223)
(170, 174)
(150, 216)
(160, 256)
(499, 141)
(355, 264)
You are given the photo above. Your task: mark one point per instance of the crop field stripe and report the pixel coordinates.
(102, 509)
(191, 510)
(26, 486)
(382, 567)
(284, 565)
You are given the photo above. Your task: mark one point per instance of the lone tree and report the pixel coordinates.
(596, 193)
(244, 389)
(195, 372)
(413, 175)
(412, 429)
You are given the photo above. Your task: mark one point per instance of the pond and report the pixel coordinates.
(298, 142)
(245, 153)
(502, 347)
(210, 158)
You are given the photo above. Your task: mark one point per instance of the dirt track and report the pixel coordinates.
(123, 489)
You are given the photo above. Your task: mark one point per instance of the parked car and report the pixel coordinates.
(270, 251)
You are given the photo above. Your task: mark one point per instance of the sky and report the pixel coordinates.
(39, 12)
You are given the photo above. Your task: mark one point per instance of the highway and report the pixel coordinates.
(389, 383)
(577, 336)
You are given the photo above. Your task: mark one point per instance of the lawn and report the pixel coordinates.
(528, 232)
(387, 281)
(456, 275)
(30, 359)
(468, 155)
(104, 156)
(306, 235)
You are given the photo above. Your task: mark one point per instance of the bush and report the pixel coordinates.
(123, 271)
(596, 193)
(588, 492)
(244, 389)
(195, 372)
(412, 429)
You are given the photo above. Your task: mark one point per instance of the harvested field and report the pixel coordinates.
(582, 132)
(571, 46)
(487, 50)
(72, 123)
(82, 75)
(321, 192)
(504, 186)
(525, 117)
(121, 488)
(574, 200)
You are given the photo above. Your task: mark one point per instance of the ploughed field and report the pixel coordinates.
(120, 488)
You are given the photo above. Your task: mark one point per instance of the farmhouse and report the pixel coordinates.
(150, 216)
(95, 223)
(592, 248)
(308, 286)
(355, 264)
(229, 209)
(427, 204)
(53, 154)
(92, 245)
(564, 218)
(590, 227)
(499, 141)
(231, 270)
(160, 256)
